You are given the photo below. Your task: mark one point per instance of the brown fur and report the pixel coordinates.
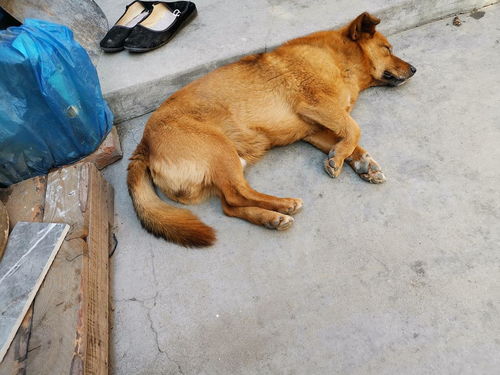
(304, 90)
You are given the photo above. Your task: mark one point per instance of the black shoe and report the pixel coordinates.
(134, 13)
(163, 23)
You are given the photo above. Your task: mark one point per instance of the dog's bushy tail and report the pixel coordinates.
(174, 224)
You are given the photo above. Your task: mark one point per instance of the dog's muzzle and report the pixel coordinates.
(393, 80)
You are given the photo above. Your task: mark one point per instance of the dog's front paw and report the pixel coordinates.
(279, 222)
(368, 169)
(289, 206)
(333, 167)
(296, 207)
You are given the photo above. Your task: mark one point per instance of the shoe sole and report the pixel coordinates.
(116, 49)
(186, 22)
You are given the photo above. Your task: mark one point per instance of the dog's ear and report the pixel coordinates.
(363, 24)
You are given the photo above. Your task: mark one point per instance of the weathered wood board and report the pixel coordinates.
(24, 201)
(4, 228)
(69, 332)
(108, 152)
(31, 249)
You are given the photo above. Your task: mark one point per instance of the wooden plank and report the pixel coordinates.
(21, 341)
(14, 361)
(96, 276)
(110, 203)
(59, 300)
(32, 248)
(70, 322)
(108, 152)
(24, 201)
(4, 228)
(69, 330)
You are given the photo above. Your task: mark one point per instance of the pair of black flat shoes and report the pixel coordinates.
(147, 25)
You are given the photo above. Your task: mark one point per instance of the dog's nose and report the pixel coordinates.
(413, 69)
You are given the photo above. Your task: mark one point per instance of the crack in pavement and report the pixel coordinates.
(153, 330)
(146, 304)
(153, 267)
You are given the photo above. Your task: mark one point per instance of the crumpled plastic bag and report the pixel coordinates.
(52, 111)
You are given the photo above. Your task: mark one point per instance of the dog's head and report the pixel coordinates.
(384, 67)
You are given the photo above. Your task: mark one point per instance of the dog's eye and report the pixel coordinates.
(389, 49)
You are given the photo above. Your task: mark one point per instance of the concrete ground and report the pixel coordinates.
(399, 278)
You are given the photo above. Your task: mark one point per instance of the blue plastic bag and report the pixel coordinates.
(52, 111)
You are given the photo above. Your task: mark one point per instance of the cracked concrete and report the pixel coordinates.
(399, 278)
(165, 352)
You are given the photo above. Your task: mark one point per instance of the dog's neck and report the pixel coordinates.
(354, 64)
(355, 76)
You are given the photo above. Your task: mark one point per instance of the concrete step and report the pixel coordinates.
(135, 84)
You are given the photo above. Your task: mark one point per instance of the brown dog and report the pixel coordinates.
(200, 139)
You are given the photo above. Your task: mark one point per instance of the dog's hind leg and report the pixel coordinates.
(228, 178)
(360, 160)
(258, 216)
